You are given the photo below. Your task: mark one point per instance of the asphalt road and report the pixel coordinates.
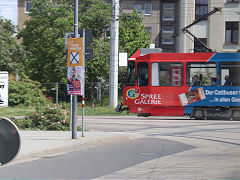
(94, 162)
(161, 148)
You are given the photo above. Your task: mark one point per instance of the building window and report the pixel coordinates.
(167, 40)
(201, 8)
(232, 1)
(168, 6)
(138, 8)
(168, 30)
(232, 31)
(198, 47)
(168, 17)
(148, 9)
(28, 6)
(149, 30)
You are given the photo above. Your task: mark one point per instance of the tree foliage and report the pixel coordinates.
(95, 15)
(44, 34)
(44, 39)
(132, 36)
(25, 92)
(11, 53)
(132, 33)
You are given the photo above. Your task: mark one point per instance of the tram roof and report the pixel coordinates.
(204, 57)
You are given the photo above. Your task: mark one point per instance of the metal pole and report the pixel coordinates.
(75, 101)
(71, 97)
(56, 92)
(113, 77)
(99, 91)
(83, 91)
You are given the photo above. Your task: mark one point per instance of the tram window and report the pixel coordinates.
(204, 73)
(230, 72)
(167, 74)
(142, 74)
(130, 74)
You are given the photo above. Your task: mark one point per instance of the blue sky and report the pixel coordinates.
(8, 10)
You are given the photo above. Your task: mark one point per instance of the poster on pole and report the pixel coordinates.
(3, 89)
(75, 79)
(75, 52)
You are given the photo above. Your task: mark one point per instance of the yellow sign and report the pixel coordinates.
(75, 52)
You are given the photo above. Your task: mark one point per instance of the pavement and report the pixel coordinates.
(37, 144)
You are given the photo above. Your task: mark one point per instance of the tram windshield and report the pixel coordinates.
(201, 74)
(230, 73)
(130, 81)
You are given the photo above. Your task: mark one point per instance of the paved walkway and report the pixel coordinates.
(37, 144)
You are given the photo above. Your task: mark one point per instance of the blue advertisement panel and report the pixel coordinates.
(212, 96)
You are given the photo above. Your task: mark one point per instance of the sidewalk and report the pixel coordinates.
(37, 144)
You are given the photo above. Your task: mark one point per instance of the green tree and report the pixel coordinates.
(132, 36)
(95, 15)
(11, 53)
(44, 39)
(132, 33)
(97, 69)
(44, 34)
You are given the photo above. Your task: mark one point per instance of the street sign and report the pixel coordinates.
(3, 89)
(9, 141)
(75, 52)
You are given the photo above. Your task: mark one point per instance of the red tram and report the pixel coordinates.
(199, 85)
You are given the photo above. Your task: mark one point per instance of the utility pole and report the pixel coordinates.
(75, 100)
(113, 76)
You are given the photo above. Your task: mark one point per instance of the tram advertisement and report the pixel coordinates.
(203, 96)
(192, 96)
(134, 94)
(209, 96)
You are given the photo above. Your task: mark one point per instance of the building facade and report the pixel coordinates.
(23, 10)
(165, 20)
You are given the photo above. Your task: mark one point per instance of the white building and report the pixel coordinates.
(220, 31)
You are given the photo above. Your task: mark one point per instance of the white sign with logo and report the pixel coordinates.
(3, 89)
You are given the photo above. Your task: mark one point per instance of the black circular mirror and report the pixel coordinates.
(9, 141)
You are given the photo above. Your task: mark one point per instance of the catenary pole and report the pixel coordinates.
(113, 75)
(75, 100)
